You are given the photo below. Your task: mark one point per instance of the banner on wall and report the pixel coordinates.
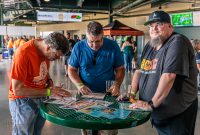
(196, 18)
(59, 16)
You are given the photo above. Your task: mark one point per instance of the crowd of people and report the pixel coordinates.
(12, 43)
(166, 78)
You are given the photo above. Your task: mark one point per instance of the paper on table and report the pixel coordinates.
(106, 112)
(94, 96)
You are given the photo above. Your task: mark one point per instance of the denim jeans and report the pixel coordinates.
(26, 119)
(128, 62)
(10, 51)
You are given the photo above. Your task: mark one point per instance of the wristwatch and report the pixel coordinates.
(151, 104)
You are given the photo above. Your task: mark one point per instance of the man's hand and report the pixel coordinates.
(115, 89)
(49, 83)
(84, 90)
(126, 97)
(58, 92)
(139, 104)
(123, 97)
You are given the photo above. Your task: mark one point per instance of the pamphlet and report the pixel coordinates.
(106, 112)
(78, 104)
(58, 101)
(98, 96)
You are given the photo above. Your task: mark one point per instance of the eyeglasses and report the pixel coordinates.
(156, 24)
(94, 59)
(55, 53)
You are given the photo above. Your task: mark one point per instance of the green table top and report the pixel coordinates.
(71, 118)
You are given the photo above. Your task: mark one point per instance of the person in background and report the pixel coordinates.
(82, 37)
(167, 78)
(31, 84)
(17, 43)
(69, 37)
(78, 39)
(5, 41)
(22, 41)
(196, 45)
(128, 51)
(10, 47)
(94, 61)
(134, 60)
(67, 56)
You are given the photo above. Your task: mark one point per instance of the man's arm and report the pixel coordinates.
(165, 84)
(120, 73)
(20, 90)
(135, 81)
(74, 76)
(198, 67)
(119, 77)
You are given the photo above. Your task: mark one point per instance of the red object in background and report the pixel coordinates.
(73, 16)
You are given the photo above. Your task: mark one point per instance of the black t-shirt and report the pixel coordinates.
(175, 56)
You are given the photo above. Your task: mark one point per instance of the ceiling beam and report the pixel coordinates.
(124, 9)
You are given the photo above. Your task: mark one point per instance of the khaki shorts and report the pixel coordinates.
(100, 132)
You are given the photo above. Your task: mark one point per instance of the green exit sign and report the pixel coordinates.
(182, 19)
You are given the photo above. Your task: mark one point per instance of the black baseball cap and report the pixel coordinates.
(158, 16)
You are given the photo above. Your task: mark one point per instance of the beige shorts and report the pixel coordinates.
(100, 132)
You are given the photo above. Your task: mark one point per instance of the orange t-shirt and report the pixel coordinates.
(16, 43)
(10, 44)
(29, 67)
(22, 42)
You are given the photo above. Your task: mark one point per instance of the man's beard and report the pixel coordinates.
(155, 42)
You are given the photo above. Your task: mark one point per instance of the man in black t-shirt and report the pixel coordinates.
(167, 78)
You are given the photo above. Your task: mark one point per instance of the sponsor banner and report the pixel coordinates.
(59, 16)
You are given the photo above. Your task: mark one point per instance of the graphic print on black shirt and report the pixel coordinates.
(149, 63)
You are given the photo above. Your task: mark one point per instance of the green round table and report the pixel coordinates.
(71, 118)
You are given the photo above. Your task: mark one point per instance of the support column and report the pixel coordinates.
(110, 18)
(1, 23)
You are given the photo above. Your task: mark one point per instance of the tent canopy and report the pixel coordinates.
(117, 28)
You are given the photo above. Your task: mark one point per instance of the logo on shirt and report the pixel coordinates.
(42, 73)
(149, 66)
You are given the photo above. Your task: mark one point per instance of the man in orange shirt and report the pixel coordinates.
(29, 78)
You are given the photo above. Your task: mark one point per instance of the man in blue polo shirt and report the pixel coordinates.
(95, 60)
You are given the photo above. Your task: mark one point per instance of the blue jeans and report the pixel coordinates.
(26, 119)
(128, 61)
(10, 51)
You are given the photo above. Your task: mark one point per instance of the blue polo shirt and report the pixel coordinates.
(96, 67)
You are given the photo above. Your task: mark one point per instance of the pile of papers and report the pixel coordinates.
(92, 105)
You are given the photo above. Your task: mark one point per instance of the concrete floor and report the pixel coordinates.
(57, 73)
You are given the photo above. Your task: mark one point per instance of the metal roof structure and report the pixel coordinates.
(26, 10)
